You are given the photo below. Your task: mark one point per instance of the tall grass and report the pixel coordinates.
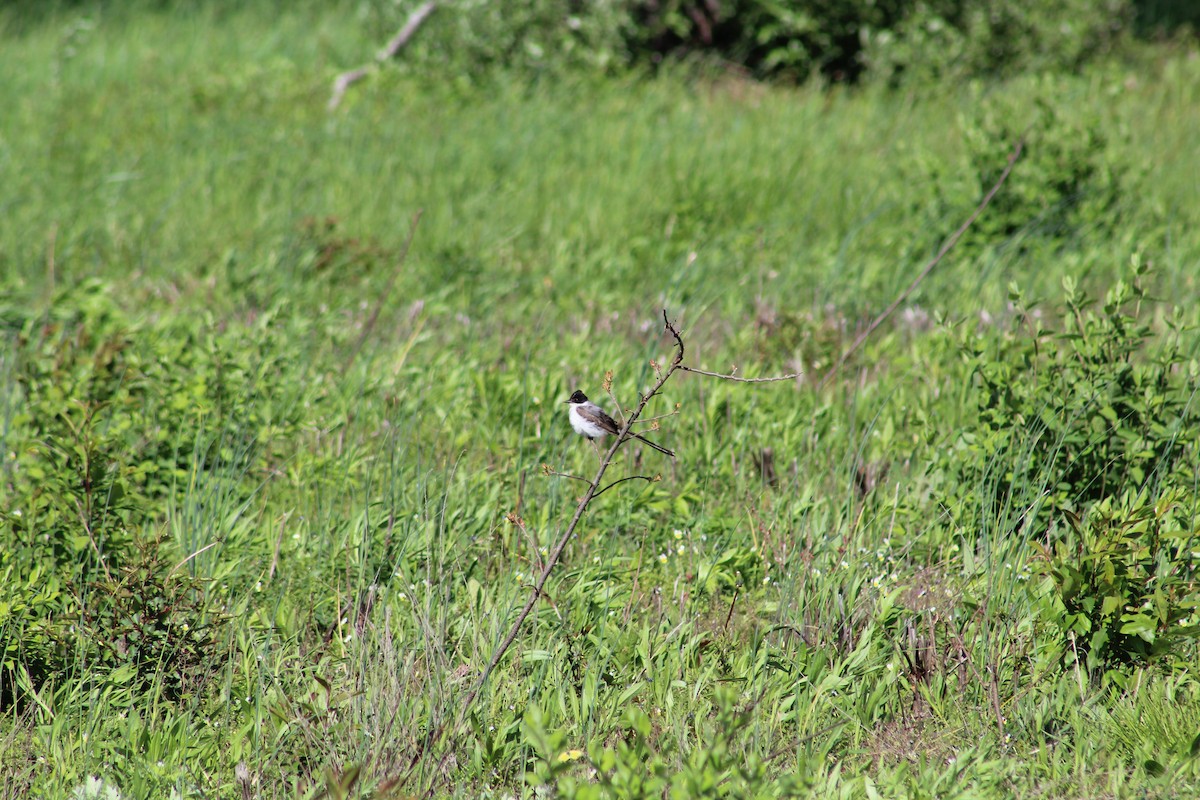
(362, 534)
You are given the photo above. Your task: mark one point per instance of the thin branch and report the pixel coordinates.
(679, 365)
(343, 82)
(731, 377)
(646, 478)
(547, 471)
(678, 362)
(394, 46)
(661, 416)
(946, 248)
(370, 323)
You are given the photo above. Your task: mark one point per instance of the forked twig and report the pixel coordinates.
(946, 247)
(661, 416)
(397, 43)
(732, 377)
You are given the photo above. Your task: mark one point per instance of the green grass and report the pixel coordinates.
(192, 248)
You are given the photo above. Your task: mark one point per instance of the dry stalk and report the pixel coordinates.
(397, 43)
(946, 247)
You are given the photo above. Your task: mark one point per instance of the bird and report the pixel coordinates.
(589, 420)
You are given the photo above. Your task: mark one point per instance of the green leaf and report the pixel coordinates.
(1138, 625)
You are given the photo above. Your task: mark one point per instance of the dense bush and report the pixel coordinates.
(1084, 442)
(113, 422)
(1070, 183)
(840, 41)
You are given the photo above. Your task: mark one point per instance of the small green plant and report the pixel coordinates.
(95, 789)
(1068, 417)
(638, 765)
(1084, 439)
(155, 621)
(1122, 584)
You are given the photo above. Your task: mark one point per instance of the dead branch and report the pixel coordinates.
(947, 246)
(732, 377)
(394, 46)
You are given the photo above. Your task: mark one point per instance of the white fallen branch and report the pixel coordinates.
(397, 43)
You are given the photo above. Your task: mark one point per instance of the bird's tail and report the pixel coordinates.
(658, 447)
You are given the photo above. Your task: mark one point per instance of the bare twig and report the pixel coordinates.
(946, 247)
(547, 471)
(661, 416)
(394, 46)
(343, 82)
(732, 377)
(646, 478)
(370, 323)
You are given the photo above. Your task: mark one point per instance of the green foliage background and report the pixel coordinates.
(254, 537)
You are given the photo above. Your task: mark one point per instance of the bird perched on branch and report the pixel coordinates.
(589, 420)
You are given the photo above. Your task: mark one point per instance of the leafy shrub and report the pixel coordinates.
(1066, 181)
(1094, 425)
(471, 39)
(101, 405)
(636, 767)
(154, 620)
(957, 38)
(1089, 410)
(796, 39)
(843, 40)
(1122, 582)
(1066, 186)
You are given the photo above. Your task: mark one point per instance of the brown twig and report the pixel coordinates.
(646, 478)
(946, 247)
(732, 377)
(370, 323)
(394, 46)
(547, 471)
(660, 416)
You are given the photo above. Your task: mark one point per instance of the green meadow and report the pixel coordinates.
(275, 483)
